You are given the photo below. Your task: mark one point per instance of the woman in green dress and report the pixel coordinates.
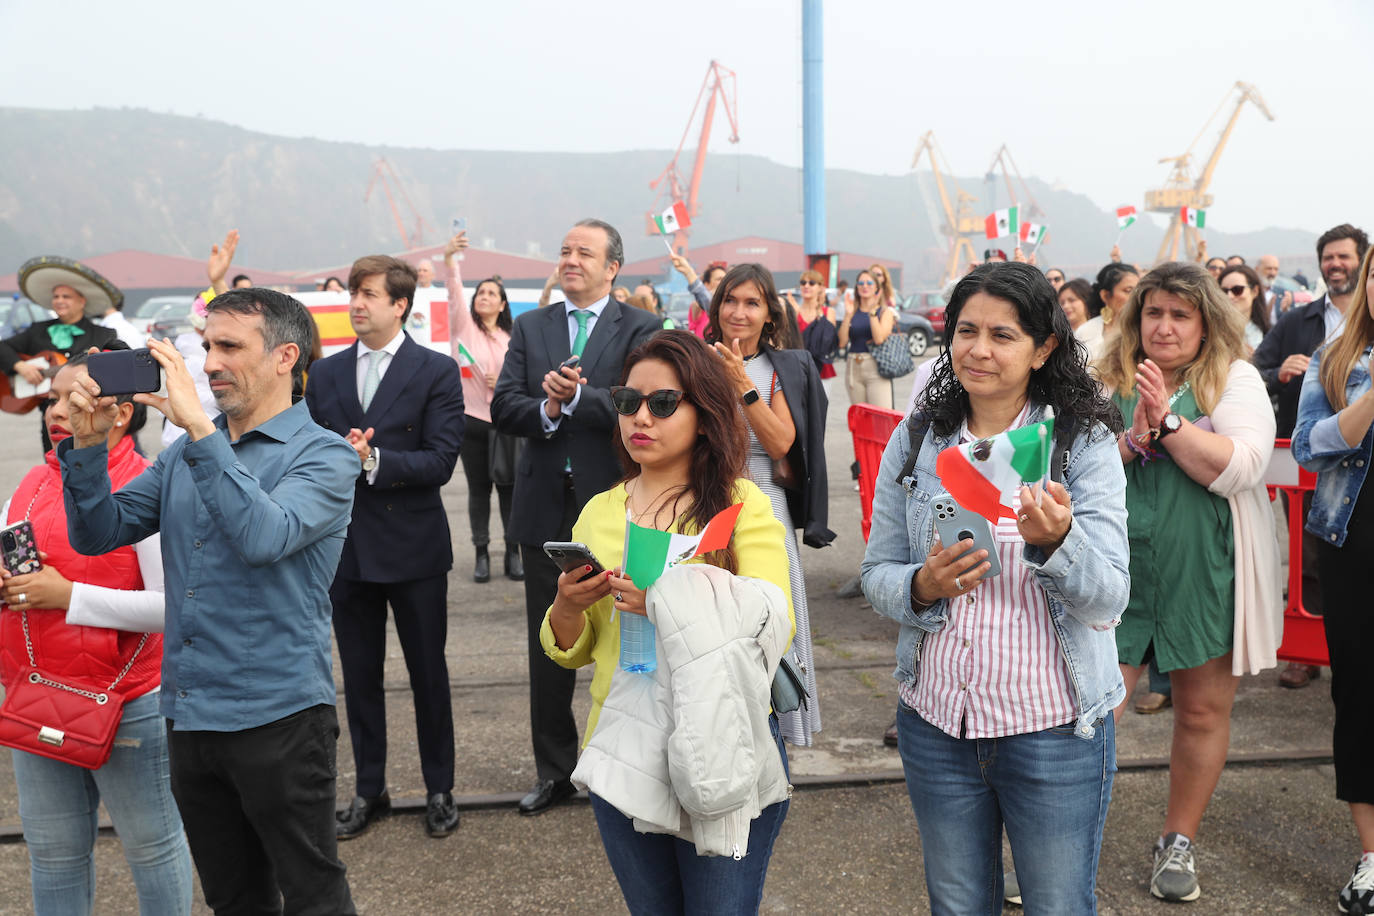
(1205, 599)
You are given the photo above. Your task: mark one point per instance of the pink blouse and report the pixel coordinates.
(488, 348)
(996, 668)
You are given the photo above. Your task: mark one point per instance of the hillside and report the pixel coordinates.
(85, 182)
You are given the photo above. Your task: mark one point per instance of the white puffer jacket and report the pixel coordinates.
(692, 738)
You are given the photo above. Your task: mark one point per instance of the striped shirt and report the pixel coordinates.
(996, 669)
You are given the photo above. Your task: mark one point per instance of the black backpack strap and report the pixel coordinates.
(916, 426)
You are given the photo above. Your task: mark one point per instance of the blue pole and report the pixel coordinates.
(813, 129)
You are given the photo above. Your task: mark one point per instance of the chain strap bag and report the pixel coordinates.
(892, 356)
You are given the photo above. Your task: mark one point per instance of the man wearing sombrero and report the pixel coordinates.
(77, 294)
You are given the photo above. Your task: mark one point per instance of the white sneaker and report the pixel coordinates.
(1174, 879)
(1357, 896)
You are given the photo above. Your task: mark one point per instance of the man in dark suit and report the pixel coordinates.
(1282, 359)
(566, 417)
(400, 406)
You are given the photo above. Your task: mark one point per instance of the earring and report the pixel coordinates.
(119, 422)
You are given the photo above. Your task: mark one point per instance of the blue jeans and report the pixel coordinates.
(662, 875)
(1049, 788)
(58, 804)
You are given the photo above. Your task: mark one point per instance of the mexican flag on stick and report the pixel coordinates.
(1194, 217)
(1033, 233)
(649, 553)
(980, 475)
(1125, 216)
(1003, 223)
(673, 219)
(467, 362)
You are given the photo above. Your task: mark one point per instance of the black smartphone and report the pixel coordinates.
(18, 548)
(572, 362)
(570, 555)
(125, 371)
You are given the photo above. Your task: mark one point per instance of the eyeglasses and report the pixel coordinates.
(1236, 291)
(808, 283)
(662, 403)
(865, 283)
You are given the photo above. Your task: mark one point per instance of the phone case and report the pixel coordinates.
(125, 371)
(954, 523)
(569, 555)
(18, 548)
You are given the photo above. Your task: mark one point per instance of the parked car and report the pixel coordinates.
(918, 331)
(931, 307)
(172, 319)
(18, 313)
(142, 317)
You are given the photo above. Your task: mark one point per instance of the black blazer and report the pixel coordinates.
(807, 403)
(539, 342)
(399, 529)
(1300, 330)
(35, 337)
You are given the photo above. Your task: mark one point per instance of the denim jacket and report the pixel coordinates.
(1319, 446)
(1086, 580)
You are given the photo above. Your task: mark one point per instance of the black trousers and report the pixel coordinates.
(258, 807)
(1349, 625)
(552, 726)
(420, 608)
(476, 456)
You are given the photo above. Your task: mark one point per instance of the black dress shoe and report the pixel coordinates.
(441, 817)
(360, 815)
(515, 568)
(545, 794)
(481, 570)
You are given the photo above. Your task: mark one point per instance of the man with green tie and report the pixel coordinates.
(565, 415)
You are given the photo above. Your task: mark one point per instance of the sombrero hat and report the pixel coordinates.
(38, 277)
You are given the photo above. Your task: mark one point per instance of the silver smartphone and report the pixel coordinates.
(954, 523)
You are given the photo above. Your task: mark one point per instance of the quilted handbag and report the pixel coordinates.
(892, 356)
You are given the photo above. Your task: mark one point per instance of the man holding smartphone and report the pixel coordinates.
(253, 508)
(565, 415)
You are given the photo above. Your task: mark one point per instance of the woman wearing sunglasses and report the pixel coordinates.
(682, 444)
(819, 335)
(865, 326)
(1242, 287)
(780, 394)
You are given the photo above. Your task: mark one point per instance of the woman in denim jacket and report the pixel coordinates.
(1007, 683)
(1337, 409)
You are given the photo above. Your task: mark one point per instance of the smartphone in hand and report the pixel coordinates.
(571, 555)
(954, 523)
(125, 371)
(18, 548)
(572, 362)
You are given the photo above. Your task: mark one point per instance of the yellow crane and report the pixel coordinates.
(1007, 164)
(1182, 190)
(961, 224)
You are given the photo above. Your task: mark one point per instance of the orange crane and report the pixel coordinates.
(719, 85)
(382, 170)
(961, 225)
(1181, 190)
(1003, 159)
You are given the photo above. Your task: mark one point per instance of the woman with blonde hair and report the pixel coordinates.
(865, 326)
(1337, 409)
(1205, 599)
(887, 293)
(819, 334)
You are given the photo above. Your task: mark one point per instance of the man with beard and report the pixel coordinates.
(1268, 269)
(1282, 360)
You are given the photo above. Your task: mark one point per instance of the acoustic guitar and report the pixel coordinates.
(12, 403)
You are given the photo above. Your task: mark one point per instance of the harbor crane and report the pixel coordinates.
(1030, 209)
(1182, 190)
(383, 171)
(961, 225)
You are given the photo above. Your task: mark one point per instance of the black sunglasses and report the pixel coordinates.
(662, 403)
(1234, 290)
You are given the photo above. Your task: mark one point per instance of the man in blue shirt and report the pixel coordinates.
(253, 508)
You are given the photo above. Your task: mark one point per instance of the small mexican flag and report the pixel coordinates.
(467, 362)
(979, 475)
(1194, 217)
(649, 553)
(1125, 216)
(1033, 233)
(1003, 223)
(673, 219)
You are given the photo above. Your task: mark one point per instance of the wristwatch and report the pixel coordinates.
(1171, 423)
(749, 396)
(370, 461)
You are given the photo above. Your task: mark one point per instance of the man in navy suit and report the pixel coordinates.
(400, 406)
(566, 417)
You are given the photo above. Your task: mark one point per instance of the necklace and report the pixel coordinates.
(1182, 390)
(656, 505)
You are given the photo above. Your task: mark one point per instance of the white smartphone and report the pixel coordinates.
(954, 523)
(460, 224)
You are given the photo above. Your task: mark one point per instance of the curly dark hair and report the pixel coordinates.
(1062, 382)
(720, 453)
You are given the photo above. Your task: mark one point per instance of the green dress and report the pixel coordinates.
(1182, 561)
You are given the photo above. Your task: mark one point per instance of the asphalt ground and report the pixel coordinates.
(1275, 840)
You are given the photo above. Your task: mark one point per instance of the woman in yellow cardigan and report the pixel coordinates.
(683, 446)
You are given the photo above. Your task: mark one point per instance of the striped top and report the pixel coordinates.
(996, 669)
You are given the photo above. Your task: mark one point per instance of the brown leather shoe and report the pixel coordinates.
(1295, 675)
(1152, 703)
(890, 736)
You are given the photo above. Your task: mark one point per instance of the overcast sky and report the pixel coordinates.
(1087, 94)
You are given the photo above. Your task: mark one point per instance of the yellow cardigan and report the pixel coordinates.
(759, 550)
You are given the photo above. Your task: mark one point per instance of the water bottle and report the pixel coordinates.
(637, 650)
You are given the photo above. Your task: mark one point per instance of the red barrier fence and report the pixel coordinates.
(1304, 640)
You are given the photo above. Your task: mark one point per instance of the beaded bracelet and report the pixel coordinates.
(1146, 454)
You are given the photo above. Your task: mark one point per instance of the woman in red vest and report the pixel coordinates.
(44, 625)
